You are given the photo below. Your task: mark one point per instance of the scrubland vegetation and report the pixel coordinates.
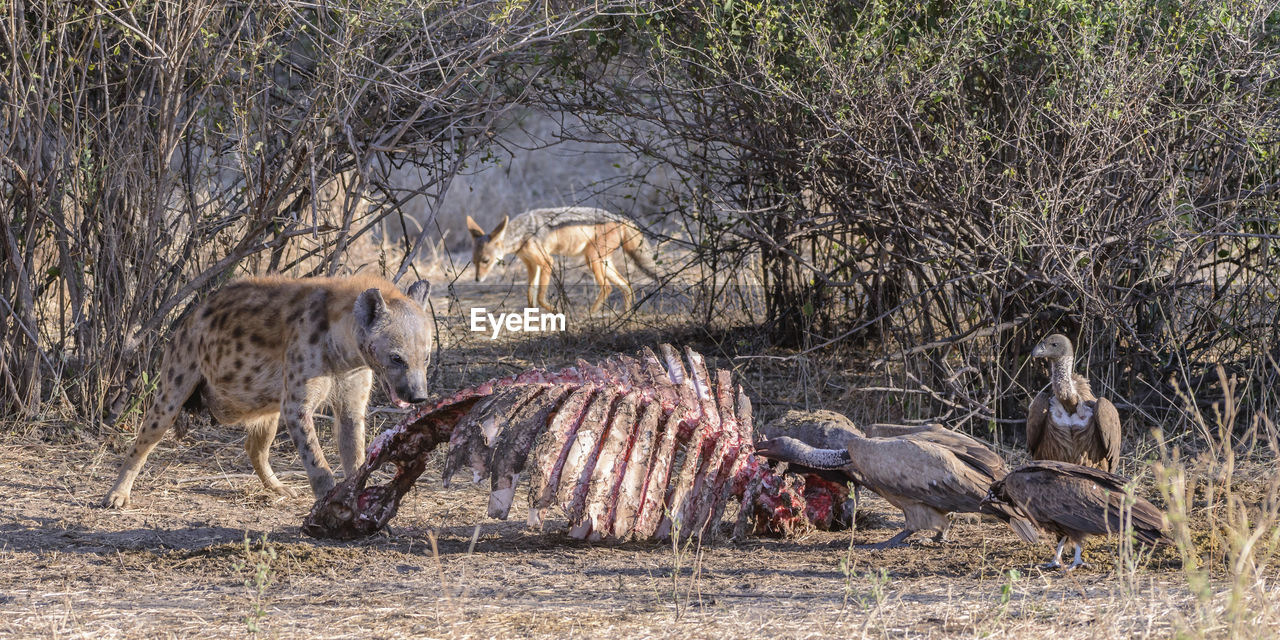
(916, 192)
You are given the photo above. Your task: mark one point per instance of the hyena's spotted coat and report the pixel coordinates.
(269, 348)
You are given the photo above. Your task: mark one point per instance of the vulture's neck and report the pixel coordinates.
(1061, 378)
(808, 456)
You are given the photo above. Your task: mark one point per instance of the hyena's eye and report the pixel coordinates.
(397, 360)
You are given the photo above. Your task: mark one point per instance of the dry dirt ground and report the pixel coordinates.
(176, 564)
(204, 552)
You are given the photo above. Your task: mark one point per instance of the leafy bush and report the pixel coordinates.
(952, 181)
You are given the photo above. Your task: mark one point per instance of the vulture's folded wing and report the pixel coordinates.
(1037, 416)
(1106, 423)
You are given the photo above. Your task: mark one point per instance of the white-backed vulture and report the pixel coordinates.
(1072, 502)
(1066, 422)
(924, 479)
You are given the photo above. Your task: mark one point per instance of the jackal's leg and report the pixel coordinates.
(297, 409)
(261, 432)
(597, 266)
(544, 285)
(612, 274)
(350, 400)
(179, 378)
(534, 273)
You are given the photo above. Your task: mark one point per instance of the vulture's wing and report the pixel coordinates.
(999, 504)
(919, 470)
(822, 429)
(975, 454)
(1037, 416)
(1065, 501)
(968, 449)
(963, 489)
(1106, 431)
(886, 430)
(1084, 499)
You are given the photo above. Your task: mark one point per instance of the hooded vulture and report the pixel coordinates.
(1066, 422)
(924, 479)
(1072, 502)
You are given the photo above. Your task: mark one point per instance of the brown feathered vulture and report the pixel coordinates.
(924, 479)
(1066, 422)
(1073, 502)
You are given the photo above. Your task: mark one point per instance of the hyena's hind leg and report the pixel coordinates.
(178, 380)
(261, 433)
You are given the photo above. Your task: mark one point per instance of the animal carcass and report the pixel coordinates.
(642, 447)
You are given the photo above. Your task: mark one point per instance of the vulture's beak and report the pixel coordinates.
(987, 499)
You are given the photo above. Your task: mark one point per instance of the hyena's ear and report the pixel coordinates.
(475, 229)
(419, 291)
(496, 234)
(371, 310)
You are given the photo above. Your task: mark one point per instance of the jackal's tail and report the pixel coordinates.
(641, 253)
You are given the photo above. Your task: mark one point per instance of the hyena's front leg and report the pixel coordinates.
(297, 409)
(350, 401)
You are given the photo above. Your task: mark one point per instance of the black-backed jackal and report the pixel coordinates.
(538, 234)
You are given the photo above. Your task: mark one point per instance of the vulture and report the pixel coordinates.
(925, 479)
(1066, 422)
(1072, 502)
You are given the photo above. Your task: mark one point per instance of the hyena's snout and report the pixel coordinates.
(405, 388)
(414, 387)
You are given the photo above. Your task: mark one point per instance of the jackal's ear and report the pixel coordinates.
(496, 234)
(419, 291)
(475, 229)
(371, 310)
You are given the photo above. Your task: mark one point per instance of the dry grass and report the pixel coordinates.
(189, 558)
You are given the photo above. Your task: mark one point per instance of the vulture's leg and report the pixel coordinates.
(1078, 561)
(1057, 557)
(896, 541)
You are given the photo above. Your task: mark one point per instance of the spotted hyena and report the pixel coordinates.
(260, 349)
